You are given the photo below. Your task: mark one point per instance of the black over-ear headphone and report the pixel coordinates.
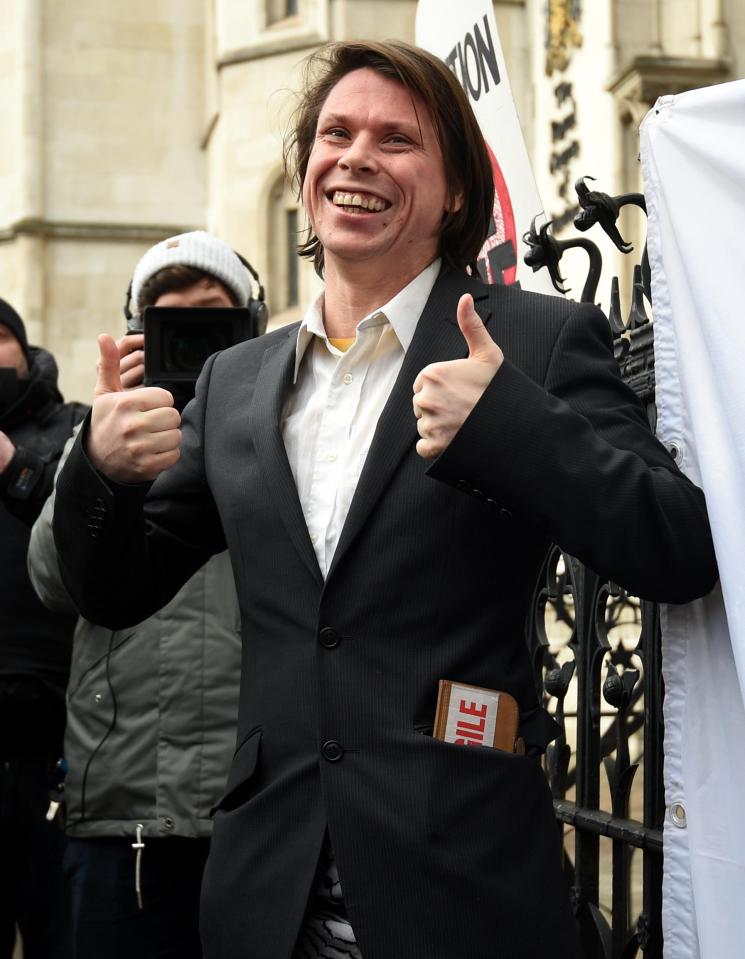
(257, 307)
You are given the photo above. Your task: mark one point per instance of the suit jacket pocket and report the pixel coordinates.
(474, 792)
(240, 782)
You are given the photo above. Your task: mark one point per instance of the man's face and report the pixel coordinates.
(204, 292)
(375, 185)
(11, 353)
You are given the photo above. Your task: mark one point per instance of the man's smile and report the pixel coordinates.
(358, 202)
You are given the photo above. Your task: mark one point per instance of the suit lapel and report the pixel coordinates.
(272, 384)
(437, 338)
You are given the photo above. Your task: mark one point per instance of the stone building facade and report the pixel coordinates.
(124, 123)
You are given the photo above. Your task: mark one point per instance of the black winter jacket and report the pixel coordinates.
(34, 642)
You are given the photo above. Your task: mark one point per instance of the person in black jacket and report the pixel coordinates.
(34, 651)
(388, 475)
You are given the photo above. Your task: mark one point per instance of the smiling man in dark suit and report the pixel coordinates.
(386, 476)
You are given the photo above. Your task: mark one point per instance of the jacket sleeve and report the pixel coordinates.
(119, 565)
(27, 481)
(575, 456)
(43, 568)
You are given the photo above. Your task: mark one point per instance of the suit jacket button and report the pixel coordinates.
(332, 751)
(329, 637)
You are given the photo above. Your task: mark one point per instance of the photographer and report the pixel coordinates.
(152, 709)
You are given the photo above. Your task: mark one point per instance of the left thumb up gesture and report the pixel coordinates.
(445, 393)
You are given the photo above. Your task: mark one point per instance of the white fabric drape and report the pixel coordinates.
(693, 161)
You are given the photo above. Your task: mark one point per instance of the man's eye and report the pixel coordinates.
(336, 133)
(398, 139)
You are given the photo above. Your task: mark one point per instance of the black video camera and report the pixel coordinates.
(178, 341)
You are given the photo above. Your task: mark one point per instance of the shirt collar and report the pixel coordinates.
(402, 311)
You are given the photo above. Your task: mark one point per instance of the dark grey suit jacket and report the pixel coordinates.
(443, 851)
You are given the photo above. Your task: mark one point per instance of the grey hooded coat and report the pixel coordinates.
(152, 709)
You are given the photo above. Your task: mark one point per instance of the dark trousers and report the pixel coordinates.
(107, 919)
(33, 891)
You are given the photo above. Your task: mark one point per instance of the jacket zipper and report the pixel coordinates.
(138, 845)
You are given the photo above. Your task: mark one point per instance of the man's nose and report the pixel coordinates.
(359, 155)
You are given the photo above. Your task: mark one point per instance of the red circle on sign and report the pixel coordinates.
(502, 232)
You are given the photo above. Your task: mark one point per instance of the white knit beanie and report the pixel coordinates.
(200, 250)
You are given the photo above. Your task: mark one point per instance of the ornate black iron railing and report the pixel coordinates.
(596, 655)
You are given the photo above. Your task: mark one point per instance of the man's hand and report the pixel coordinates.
(134, 435)
(7, 451)
(445, 393)
(131, 360)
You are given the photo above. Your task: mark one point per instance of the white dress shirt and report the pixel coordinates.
(330, 416)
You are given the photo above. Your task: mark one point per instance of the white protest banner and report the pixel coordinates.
(464, 35)
(693, 160)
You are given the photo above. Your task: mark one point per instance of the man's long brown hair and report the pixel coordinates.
(466, 160)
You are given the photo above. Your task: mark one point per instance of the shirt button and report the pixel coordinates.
(347, 378)
(98, 698)
(329, 637)
(332, 751)
(331, 457)
(314, 538)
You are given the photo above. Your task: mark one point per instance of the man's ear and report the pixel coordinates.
(455, 202)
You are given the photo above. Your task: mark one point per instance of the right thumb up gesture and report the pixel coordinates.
(134, 435)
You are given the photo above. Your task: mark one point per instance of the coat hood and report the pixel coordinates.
(39, 394)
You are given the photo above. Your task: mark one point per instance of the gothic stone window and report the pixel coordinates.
(277, 10)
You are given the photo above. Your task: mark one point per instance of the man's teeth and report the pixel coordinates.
(371, 203)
